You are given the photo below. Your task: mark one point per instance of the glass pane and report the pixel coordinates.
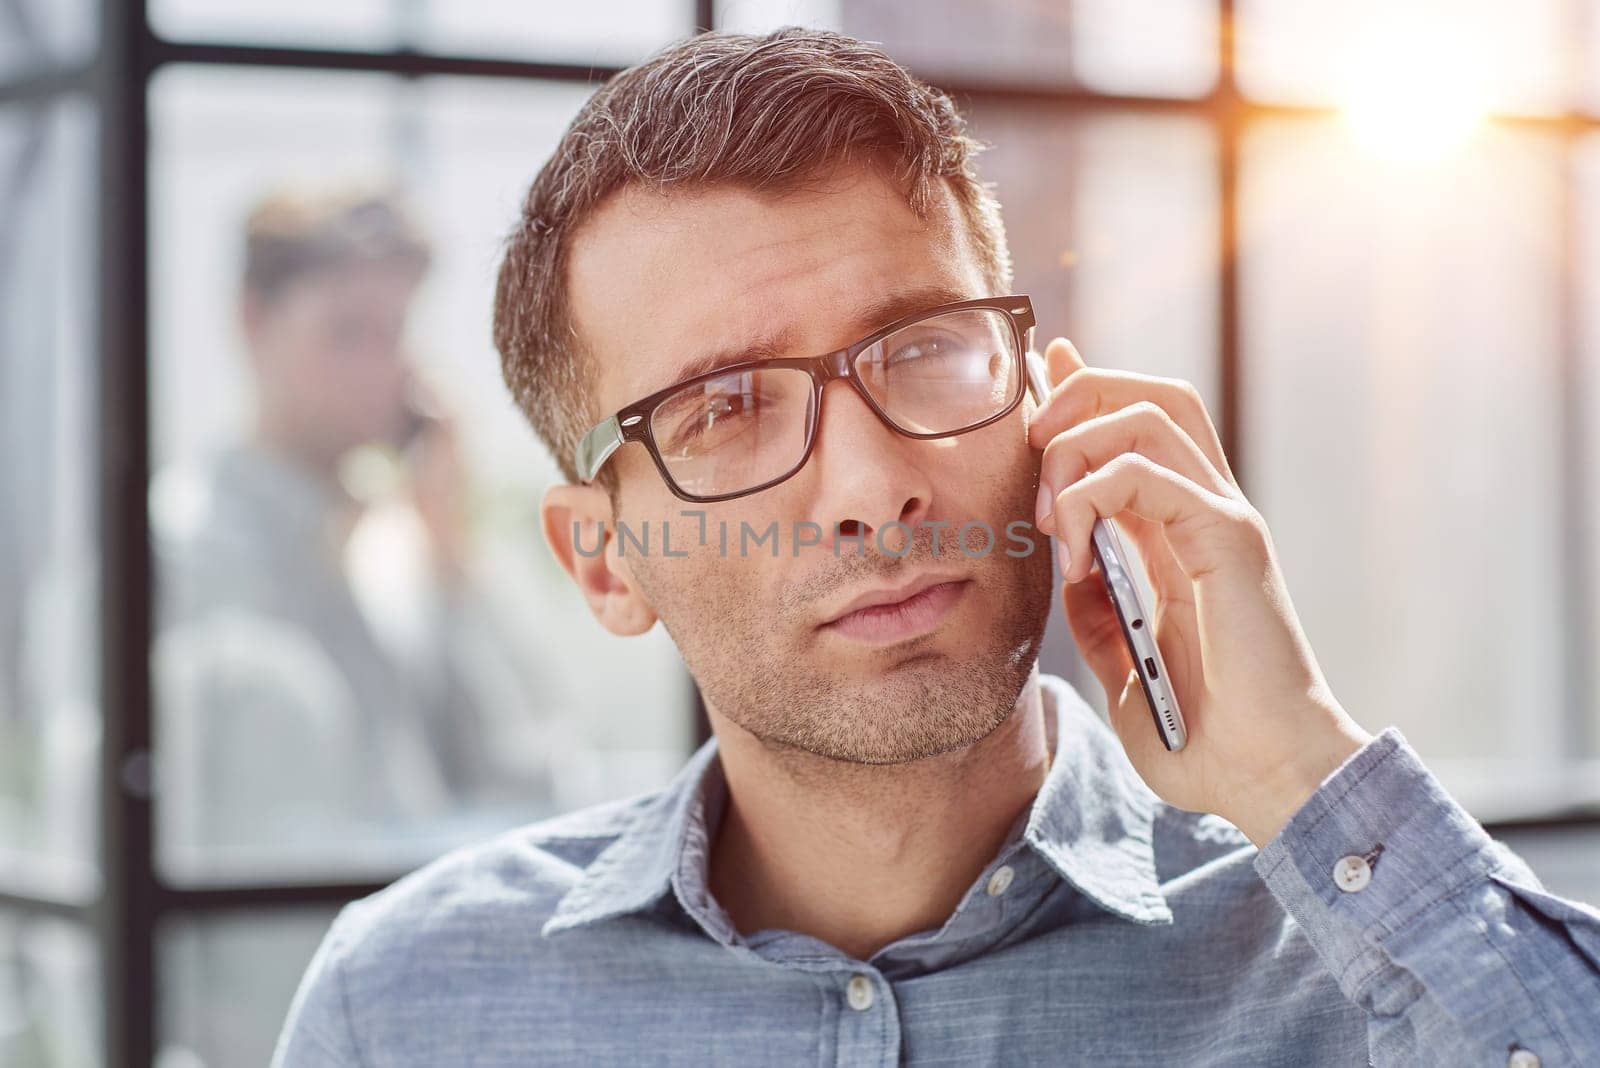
(49, 994)
(1586, 38)
(326, 706)
(762, 16)
(1417, 55)
(1401, 327)
(1145, 47)
(348, 24)
(46, 33)
(49, 637)
(1112, 224)
(955, 41)
(1151, 47)
(226, 983)
(617, 32)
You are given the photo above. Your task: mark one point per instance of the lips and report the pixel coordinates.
(883, 621)
(889, 595)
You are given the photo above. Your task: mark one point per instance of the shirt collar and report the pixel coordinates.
(1091, 821)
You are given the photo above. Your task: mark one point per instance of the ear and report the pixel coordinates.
(251, 311)
(580, 528)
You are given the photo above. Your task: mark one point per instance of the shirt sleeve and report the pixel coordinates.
(317, 1032)
(1441, 934)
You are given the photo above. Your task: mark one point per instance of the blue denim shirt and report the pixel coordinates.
(1110, 927)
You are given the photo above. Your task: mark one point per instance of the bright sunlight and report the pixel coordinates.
(1415, 93)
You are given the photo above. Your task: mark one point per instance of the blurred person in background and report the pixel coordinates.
(328, 675)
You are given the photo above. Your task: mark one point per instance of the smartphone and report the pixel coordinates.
(414, 423)
(1138, 629)
(417, 416)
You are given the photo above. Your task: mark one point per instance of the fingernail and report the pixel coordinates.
(1041, 509)
(1063, 557)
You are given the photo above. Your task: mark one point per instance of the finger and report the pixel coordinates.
(1061, 358)
(1085, 392)
(1145, 428)
(1205, 531)
(1142, 427)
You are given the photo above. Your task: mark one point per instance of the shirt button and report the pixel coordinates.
(1000, 880)
(1352, 873)
(859, 993)
(1523, 1058)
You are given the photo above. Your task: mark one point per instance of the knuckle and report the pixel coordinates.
(1187, 393)
(1150, 419)
(1147, 409)
(1249, 525)
(1187, 401)
(1079, 391)
(1128, 465)
(1061, 450)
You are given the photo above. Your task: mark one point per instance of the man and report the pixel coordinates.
(330, 681)
(904, 843)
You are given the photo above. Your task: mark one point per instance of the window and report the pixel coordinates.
(620, 32)
(49, 714)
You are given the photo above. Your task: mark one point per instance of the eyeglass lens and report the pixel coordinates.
(939, 375)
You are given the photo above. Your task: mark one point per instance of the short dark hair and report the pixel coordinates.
(765, 112)
(293, 233)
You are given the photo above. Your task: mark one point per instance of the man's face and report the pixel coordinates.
(329, 358)
(658, 280)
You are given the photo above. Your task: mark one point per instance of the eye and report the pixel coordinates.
(714, 414)
(723, 405)
(923, 347)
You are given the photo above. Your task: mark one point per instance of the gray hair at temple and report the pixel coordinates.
(766, 112)
(295, 233)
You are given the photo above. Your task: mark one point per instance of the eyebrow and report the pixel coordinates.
(880, 312)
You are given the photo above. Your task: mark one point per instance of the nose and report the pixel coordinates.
(867, 474)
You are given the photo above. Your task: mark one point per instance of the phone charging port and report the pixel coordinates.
(1150, 666)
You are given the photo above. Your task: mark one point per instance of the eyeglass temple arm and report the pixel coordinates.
(596, 447)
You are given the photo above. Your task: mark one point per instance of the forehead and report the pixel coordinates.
(656, 280)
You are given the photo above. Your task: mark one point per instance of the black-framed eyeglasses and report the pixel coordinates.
(746, 427)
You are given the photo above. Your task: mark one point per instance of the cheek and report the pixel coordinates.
(991, 477)
(710, 603)
(701, 560)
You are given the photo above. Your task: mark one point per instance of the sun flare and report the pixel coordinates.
(1413, 97)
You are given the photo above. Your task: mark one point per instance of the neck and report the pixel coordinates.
(277, 436)
(862, 855)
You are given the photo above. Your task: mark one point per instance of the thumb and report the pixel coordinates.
(1098, 632)
(1061, 358)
